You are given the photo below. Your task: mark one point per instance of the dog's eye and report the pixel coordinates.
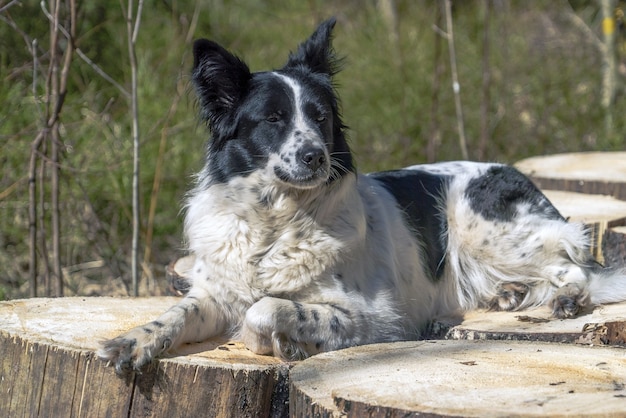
(320, 119)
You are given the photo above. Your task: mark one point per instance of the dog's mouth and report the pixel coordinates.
(302, 178)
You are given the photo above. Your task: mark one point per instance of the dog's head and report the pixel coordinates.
(283, 124)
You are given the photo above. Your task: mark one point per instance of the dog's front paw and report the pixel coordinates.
(569, 301)
(268, 329)
(133, 350)
(255, 339)
(267, 342)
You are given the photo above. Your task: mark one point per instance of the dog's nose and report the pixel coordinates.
(312, 156)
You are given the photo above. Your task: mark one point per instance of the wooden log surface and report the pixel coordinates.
(538, 325)
(461, 378)
(493, 364)
(48, 366)
(601, 173)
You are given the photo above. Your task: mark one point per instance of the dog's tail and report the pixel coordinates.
(607, 285)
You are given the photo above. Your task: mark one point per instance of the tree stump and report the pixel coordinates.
(48, 366)
(461, 378)
(602, 173)
(500, 364)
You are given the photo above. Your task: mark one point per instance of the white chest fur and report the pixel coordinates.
(273, 242)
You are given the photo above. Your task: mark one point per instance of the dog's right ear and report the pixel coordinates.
(317, 53)
(220, 79)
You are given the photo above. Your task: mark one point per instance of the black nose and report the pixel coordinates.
(312, 156)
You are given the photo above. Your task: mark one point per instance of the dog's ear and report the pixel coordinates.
(220, 79)
(316, 53)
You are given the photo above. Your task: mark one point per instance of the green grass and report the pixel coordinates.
(545, 89)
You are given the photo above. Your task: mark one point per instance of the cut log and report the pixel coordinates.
(461, 378)
(598, 212)
(601, 173)
(48, 367)
(521, 371)
(539, 325)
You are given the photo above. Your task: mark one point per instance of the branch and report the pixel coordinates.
(441, 32)
(456, 87)
(137, 22)
(132, 30)
(583, 27)
(7, 192)
(101, 72)
(85, 58)
(9, 4)
(32, 213)
(194, 22)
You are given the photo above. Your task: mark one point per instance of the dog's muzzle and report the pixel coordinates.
(307, 167)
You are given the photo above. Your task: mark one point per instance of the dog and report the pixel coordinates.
(296, 253)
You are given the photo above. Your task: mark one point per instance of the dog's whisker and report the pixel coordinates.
(338, 167)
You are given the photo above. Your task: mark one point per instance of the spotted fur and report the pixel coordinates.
(296, 253)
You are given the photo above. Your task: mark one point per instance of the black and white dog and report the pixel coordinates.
(296, 253)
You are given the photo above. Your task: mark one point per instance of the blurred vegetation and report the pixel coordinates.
(545, 82)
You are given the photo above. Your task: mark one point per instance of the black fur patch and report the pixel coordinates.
(335, 325)
(419, 195)
(497, 194)
(301, 315)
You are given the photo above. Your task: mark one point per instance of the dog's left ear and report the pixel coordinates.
(316, 53)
